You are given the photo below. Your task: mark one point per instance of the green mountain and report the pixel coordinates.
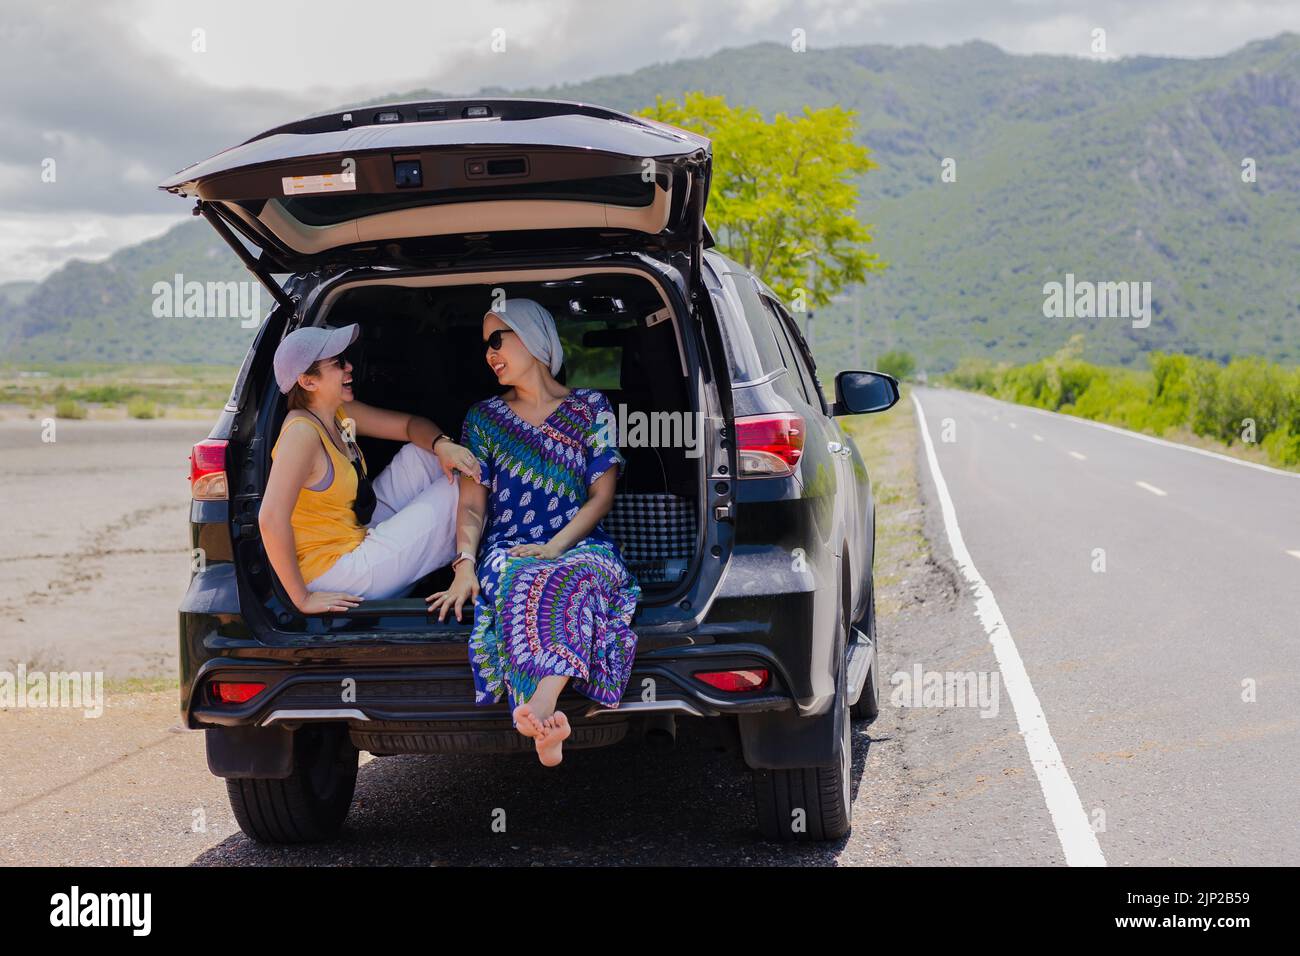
(1128, 170)
(13, 293)
(104, 311)
(1112, 171)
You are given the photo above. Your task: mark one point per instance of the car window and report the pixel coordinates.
(802, 354)
(593, 351)
(752, 348)
(787, 351)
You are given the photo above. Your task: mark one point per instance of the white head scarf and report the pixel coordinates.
(535, 327)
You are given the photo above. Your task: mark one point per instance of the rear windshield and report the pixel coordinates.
(593, 351)
(626, 190)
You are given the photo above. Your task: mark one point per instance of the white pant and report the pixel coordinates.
(412, 532)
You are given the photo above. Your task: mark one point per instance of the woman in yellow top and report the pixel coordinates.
(334, 537)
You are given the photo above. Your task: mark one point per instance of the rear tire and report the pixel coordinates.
(310, 804)
(821, 793)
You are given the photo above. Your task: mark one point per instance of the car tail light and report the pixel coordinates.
(769, 445)
(736, 682)
(234, 692)
(208, 470)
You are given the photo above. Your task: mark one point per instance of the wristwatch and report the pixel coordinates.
(462, 556)
(434, 446)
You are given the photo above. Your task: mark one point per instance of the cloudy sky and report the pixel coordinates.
(121, 93)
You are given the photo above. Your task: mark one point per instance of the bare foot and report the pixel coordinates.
(555, 730)
(526, 721)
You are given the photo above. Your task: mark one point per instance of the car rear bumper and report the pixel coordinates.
(366, 693)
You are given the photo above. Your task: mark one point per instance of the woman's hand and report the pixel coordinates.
(464, 587)
(322, 602)
(455, 458)
(548, 550)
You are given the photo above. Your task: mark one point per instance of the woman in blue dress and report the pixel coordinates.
(552, 599)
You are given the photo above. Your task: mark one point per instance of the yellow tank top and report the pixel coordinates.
(324, 525)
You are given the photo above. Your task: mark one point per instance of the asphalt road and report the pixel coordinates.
(1170, 680)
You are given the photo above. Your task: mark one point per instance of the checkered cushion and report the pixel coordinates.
(655, 533)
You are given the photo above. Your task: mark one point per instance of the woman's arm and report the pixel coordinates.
(401, 426)
(600, 498)
(396, 426)
(470, 515)
(291, 471)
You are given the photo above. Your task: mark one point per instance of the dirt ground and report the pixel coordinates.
(95, 554)
(93, 563)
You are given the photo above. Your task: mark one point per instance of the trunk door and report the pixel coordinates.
(412, 181)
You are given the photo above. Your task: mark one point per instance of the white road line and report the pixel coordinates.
(1038, 438)
(1294, 554)
(1153, 440)
(1078, 455)
(1078, 840)
(1151, 488)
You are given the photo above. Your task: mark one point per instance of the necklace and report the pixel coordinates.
(343, 451)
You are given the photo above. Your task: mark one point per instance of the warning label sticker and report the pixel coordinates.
(324, 183)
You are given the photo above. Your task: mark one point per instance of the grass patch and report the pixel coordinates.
(1249, 408)
(140, 685)
(160, 386)
(887, 441)
(143, 408)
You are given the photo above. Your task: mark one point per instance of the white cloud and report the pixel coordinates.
(34, 245)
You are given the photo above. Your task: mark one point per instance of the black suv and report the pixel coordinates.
(745, 511)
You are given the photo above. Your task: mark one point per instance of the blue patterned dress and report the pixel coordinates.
(536, 617)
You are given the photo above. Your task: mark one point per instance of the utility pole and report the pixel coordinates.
(857, 326)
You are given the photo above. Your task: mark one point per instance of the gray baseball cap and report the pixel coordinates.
(301, 347)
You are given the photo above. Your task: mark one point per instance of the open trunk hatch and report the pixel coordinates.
(382, 182)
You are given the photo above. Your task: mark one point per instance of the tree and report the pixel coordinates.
(782, 201)
(901, 365)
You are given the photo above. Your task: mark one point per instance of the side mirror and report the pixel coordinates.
(858, 393)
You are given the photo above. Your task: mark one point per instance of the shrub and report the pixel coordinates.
(901, 365)
(1179, 391)
(67, 408)
(143, 408)
(1121, 398)
(976, 375)
(1282, 446)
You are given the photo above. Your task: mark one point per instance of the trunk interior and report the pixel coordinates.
(421, 351)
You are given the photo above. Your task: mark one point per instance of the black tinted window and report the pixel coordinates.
(788, 351)
(751, 347)
(807, 368)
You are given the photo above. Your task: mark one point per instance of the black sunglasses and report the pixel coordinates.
(343, 358)
(493, 341)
